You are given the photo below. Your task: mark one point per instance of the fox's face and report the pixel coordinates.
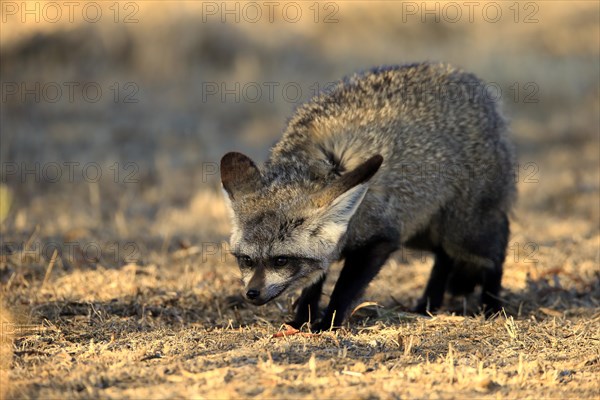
(285, 235)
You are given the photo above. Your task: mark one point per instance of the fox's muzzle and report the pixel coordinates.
(255, 297)
(255, 286)
(252, 294)
(255, 290)
(260, 297)
(261, 290)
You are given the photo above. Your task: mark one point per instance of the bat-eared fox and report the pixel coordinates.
(415, 155)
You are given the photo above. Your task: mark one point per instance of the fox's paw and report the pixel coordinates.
(322, 326)
(420, 308)
(297, 324)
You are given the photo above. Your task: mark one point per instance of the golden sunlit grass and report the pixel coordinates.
(6, 324)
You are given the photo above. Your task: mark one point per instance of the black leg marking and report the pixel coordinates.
(489, 243)
(492, 279)
(464, 277)
(360, 267)
(436, 286)
(308, 304)
(490, 292)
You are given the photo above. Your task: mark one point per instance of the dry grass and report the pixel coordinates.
(142, 299)
(6, 339)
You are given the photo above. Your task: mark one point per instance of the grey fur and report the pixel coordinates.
(446, 178)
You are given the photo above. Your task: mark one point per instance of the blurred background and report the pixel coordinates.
(115, 114)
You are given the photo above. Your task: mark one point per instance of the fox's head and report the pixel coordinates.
(285, 235)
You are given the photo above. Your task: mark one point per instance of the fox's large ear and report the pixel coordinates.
(341, 200)
(358, 176)
(239, 175)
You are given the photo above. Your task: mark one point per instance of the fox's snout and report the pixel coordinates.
(255, 287)
(263, 285)
(258, 297)
(255, 296)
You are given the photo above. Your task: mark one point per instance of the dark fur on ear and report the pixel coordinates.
(239, 174)
(358, 175)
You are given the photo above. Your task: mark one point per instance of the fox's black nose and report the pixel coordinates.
(252, 294)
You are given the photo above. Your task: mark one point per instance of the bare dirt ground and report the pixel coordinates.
(120, 285)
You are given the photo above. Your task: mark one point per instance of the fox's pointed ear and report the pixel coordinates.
(348, 193)
(239, 175)
(349, 180)
(333, 223)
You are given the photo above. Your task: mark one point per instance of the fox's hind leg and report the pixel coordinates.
(308, 304)
(361, 265)
(480, 261)
(492, 279)
(436, 286)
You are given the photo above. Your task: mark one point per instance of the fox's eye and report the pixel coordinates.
(281, 261)
(246, 261)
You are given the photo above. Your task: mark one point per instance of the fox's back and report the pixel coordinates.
(438, 129)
